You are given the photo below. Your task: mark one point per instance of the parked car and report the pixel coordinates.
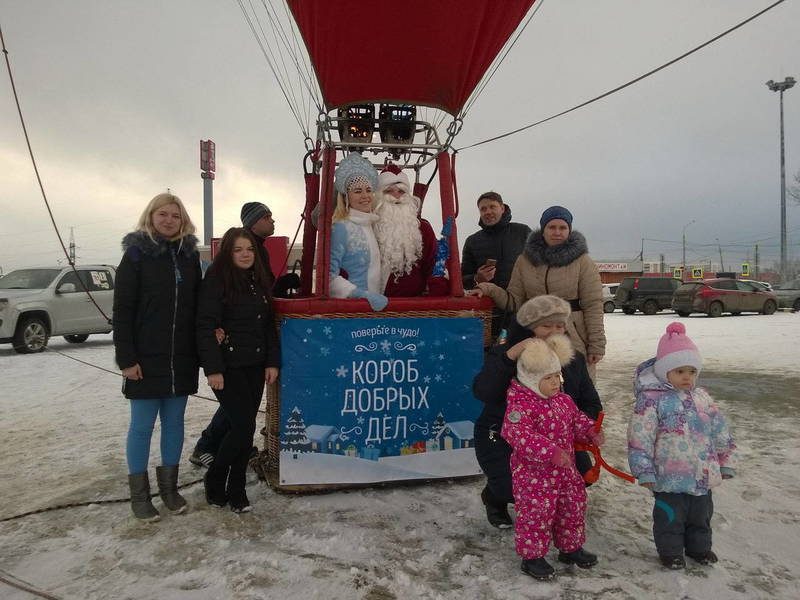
(648, 294)
(717, 296)
(762, 284)
(609, 289)
(38, 303)
(788, 294)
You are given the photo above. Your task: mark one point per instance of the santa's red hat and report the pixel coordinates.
(393, 175)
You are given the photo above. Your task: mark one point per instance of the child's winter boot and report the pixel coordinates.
(141, 505)
(580, 558)
(538, 568)
(704, 558)
(672, 562)
(167, 478)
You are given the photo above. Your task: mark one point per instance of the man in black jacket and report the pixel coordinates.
(256, 217)
(490, 254)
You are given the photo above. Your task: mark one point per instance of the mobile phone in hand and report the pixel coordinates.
(490, 262)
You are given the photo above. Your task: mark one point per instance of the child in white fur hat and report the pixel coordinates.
(679, 446)
(541, 424)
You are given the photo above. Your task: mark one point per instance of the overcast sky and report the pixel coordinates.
(117, 95)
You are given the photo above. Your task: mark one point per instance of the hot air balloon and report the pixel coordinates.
(369, 397)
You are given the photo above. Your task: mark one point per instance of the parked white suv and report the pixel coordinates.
(41, 302)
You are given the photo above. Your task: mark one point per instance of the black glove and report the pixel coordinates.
(284, 283)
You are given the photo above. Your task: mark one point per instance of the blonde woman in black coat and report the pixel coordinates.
(235, 297)
(155, 300)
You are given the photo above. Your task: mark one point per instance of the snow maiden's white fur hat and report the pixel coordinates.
(542, 357)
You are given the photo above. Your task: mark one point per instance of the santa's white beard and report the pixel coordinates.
(398, 234)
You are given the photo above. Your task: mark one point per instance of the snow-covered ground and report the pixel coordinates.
(63, 424)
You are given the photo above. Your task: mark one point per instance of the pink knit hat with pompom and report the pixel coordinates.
(675, 349)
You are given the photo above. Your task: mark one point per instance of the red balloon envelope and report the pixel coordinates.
(424, 52)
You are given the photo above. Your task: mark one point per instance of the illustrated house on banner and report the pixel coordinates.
(323, 438)
(456, 435)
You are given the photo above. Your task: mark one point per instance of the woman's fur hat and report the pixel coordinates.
(543, 309)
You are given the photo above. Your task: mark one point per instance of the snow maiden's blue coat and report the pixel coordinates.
(677, 439)
(354, 249)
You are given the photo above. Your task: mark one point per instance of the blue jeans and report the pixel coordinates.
(143, 419)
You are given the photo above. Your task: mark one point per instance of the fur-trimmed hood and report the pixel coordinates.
(187, 245)
(539, 253)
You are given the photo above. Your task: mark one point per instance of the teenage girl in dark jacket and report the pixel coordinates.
(235, 297)
(539, 317)
(155, 300)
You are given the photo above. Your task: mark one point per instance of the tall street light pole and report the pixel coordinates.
(782, 86)
(684, 246)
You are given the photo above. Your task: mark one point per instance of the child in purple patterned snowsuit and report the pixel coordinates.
(541, 424)
(679, 447)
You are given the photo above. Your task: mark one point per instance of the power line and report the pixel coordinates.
(628, 84)
(39, 180)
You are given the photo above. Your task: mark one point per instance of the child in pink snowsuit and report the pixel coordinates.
(541, 424)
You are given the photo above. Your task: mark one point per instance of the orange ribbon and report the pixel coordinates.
(593, 474)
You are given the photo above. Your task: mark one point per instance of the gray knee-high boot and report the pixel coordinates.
(141, 505)
(167, 478)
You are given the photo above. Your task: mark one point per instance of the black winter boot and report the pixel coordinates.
(538, 568)
(237, 480)
(215, 489)
(167, 478)
(704, 558)
(141, 505)
(496, 513)
(580, 558)
(672, 562)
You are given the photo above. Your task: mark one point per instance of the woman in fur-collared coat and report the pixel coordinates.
(556, 261)
(155, 302)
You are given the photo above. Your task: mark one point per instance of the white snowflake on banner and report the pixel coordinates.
(426, 379)
(308, 330)
(386, 346)
(327, 330)
(438, 377)
(360, 420)
(341, 371)
(325, 351)
(441, 357)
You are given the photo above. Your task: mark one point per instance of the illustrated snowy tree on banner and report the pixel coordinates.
(294, 436)
(437, 425)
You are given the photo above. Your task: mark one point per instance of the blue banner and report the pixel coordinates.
(369, 400)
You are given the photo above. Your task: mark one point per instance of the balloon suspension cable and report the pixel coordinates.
(629, 83)
(452, 131)
(41, 185)
(497, 62)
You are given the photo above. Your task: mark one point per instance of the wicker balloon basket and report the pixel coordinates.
(267, 463)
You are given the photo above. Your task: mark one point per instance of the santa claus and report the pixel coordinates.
(406, 241)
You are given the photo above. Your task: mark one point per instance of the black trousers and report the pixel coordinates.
(682, 521)
(493, 454)
(239, 400)
(212, 435)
